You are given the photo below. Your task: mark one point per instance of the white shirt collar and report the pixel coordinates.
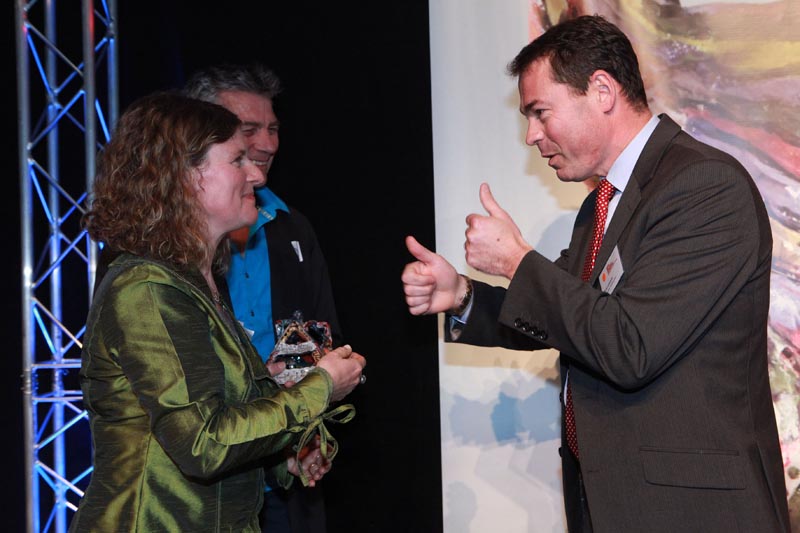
(620, 172)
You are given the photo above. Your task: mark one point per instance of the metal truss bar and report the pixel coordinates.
(51, 48)
(64, 364)
(79, 477)
(45, 430)
(101, 118)
(55, 121)
(44, 330)
(77, 70)
(26, 209)
(63, 429)
(61, 479)
(55, 412)
(58, 323)
(53, 510)
(57, 263)
(66, 397)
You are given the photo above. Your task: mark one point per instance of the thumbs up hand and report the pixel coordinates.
(494, 243)
(430, 283)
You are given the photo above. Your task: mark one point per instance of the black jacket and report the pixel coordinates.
(299, 285)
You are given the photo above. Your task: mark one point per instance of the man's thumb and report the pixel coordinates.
(418, 251)
(490, 204)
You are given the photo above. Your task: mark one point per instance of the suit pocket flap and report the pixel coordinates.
(695, 468)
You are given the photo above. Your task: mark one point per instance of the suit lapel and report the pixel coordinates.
(581, 235)
(643, 171)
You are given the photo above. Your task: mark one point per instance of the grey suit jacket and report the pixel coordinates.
(672, 402)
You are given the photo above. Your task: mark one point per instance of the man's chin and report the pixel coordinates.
(565, 176)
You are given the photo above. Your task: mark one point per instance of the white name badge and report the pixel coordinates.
(612, 272)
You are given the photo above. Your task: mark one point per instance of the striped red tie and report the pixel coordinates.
(604, 193)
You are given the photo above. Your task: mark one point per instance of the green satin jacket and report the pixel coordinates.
(184, 416)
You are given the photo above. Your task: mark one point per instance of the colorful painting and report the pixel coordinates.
(729, 73)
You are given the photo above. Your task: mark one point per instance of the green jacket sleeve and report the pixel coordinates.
(209, 406)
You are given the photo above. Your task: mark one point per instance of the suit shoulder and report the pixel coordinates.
(292, 222)
(296, 216)
(685, 163)
(687, 150)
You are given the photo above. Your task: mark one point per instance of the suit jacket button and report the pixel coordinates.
(518, 323)
(542, 335)
(559, 452)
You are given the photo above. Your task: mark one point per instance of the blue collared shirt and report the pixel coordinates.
(620, 172)
(249, 276)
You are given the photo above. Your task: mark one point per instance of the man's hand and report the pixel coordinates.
(494, 243)
(430, 283)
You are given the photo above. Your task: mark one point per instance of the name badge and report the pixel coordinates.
(612, 272)
(297, 250)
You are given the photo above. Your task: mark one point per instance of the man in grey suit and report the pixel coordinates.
(658, 307)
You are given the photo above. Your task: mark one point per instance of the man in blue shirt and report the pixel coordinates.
(277, 266)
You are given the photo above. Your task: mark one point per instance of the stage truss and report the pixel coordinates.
(65, 116)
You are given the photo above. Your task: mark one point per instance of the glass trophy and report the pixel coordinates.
(300, 345)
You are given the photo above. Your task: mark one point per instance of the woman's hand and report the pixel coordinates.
(345, 367)
(314, 465)
(275, 368)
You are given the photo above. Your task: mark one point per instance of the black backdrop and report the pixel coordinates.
(356, 158)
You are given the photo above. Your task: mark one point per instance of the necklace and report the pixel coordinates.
(216, 298)
(226, 315)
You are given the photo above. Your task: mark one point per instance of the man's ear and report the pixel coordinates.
(605, 89)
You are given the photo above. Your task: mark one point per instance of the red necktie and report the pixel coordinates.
(604, 193)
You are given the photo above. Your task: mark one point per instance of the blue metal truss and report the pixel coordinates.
(63, 120)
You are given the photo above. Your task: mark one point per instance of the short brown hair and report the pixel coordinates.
(577, 47)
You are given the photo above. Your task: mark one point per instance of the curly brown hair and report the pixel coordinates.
(143, 199)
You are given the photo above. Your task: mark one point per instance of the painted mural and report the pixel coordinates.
(729, 73)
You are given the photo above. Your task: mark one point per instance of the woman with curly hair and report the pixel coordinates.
(184, 416)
